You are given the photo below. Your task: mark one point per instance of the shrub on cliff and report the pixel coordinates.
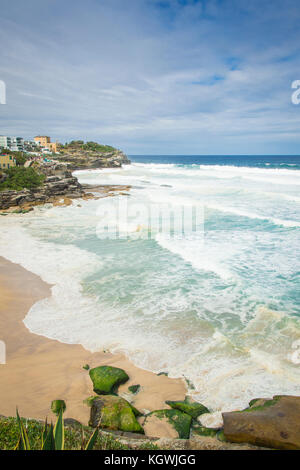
(92, 146)
(20, 178)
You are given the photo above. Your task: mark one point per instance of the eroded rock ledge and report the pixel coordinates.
(58, 190)
(53, 187)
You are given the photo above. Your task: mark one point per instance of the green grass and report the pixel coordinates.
(20, 178)
(9, 436)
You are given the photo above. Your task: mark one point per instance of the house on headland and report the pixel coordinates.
(7, 161)
(45, 142)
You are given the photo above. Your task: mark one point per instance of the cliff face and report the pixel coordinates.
(53, 187)
(91, 155)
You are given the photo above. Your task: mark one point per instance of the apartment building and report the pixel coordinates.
(16, 144)
(45, 142)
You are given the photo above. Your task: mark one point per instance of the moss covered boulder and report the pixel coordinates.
(273, 423)
(114, 413)
(204, 431)
(189, 407)
(106, 379)
(168, 423)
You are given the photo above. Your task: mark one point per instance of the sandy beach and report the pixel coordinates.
(39, 369)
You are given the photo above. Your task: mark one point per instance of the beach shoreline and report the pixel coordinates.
(39, 370)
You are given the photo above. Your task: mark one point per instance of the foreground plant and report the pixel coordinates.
(52, 438)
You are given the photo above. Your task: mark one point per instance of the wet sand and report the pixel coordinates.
(39, 369)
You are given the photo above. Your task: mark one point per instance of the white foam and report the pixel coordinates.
(251, 215)
(196, 252)
(170, 312)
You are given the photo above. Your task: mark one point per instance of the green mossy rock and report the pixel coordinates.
(134, 389)
(261, 403)
(57, 405)
(89, 401)
(252, 402)
(114, 413)
(189, 407)
(181, 422)
(106, 379)
(221, 436)
(203, 431)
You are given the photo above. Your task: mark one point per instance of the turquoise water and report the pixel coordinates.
(218, 304)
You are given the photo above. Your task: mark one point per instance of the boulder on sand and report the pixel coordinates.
(273, 423)
(114, 413)
(189, 407)
(106, 379)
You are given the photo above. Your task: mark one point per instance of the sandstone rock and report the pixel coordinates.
(77, 159)
(106, 379)
(211, 443)
(200, 443)
(114, 413)
(270, 423)
(53, 187)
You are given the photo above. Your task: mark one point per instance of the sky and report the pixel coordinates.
(153, 76)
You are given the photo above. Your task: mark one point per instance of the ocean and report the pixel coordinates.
(212, 296)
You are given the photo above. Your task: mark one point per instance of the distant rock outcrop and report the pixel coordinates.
(79, 155)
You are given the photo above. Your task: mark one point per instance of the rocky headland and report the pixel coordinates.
(57, 184)
(78, 155)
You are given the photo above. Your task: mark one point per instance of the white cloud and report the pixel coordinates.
(175, 80)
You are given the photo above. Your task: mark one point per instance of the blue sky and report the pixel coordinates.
(153, 76)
